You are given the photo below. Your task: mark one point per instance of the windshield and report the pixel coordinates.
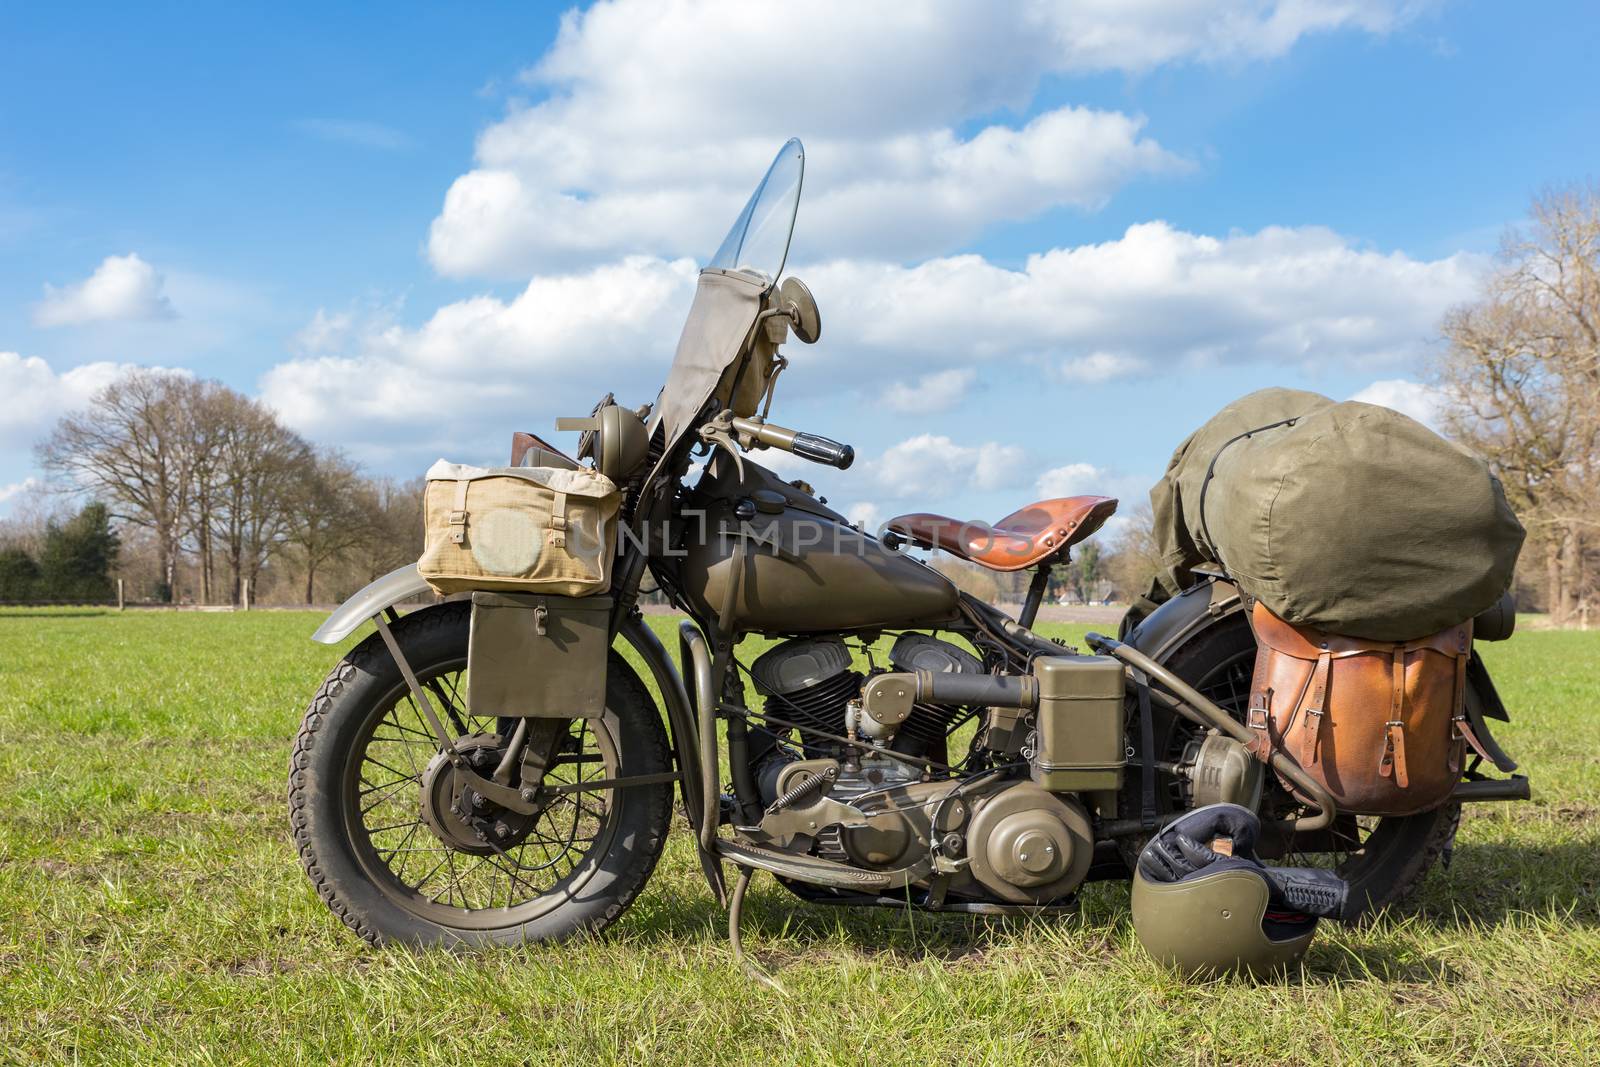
(759, 240)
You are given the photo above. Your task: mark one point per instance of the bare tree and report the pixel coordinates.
(1521, 380)
(253, 472)
(132, 448)
(326, 516)
(393, 535)
(1132, 562)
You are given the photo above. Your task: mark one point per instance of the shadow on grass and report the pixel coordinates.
(1487, 885)
(8, 614)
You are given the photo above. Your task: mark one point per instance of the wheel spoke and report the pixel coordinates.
(541, 851)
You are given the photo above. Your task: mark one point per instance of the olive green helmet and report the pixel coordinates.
(1209, 913)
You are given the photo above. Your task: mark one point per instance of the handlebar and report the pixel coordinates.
(806, 445)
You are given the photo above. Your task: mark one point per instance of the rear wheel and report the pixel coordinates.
(1383, 858)
(402, 852)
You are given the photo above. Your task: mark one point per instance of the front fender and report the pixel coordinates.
(404, 583)
(382, 593)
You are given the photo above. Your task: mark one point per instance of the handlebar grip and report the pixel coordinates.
(822, 450)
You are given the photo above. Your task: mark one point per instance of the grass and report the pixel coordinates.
(152, 910)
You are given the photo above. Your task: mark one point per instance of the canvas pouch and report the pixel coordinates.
(518, 530)
(1382, 725)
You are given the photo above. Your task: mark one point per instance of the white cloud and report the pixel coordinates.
(122, 288)
(931, 393)
(20, 490)
(483, 365)
(656, 118)
(1154, 299)
(36, 396)
(1073, 479)
(865, 514)
(1099, 367)
(931, 467)
(1157, 297)
(1419, 401)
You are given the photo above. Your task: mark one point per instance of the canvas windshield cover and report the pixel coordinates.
(728, 297)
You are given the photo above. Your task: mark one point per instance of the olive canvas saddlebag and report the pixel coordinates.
(518, 530)
(1381, 725)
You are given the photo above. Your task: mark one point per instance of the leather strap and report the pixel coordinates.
(1393, 760)
(1394, 754)
(1458, 718)
(1311, 724)
(1259, 718)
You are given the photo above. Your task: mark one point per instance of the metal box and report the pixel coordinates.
(1081, 746)
(538, 656)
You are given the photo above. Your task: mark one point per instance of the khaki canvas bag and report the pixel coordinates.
(518, 529)
(1381, 725)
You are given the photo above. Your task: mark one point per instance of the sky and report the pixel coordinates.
(1048, 240)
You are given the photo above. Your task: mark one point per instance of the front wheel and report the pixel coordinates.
(403, 855)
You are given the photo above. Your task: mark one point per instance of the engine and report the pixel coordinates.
(1019, 843)
(809, 681)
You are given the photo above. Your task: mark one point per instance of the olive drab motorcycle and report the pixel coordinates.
(504, 765)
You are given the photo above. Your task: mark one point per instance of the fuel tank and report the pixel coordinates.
(804, 569)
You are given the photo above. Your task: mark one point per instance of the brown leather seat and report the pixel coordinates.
(1022, 539)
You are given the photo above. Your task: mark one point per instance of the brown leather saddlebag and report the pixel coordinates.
(1380, 724)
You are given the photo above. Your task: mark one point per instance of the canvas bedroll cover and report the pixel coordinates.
(1346, 517)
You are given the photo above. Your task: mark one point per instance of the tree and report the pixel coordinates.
(19, 574)
(1084, 572)
(1520, 378)
(254, 475)
(326, 518)
(132, 448)
(79, 556)
(393, 534)
(1134, 560)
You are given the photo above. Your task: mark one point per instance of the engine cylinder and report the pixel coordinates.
(808, 681)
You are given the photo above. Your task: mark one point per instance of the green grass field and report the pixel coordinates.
(152, 909)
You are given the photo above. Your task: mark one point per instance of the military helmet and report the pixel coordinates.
(1204, 904)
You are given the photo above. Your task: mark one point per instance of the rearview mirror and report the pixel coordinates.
(801, 306)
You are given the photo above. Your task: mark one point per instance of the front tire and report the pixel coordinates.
(391, 876)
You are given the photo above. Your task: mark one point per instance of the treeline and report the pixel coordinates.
(69, 561)
(210, 491)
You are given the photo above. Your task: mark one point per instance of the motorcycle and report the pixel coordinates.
(906, 744)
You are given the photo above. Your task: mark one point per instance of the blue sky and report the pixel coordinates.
(1048, 240)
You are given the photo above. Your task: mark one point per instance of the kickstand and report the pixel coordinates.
(735, 911)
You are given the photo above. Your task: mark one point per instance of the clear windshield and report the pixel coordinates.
(759, 240)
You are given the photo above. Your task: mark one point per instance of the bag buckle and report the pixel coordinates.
(458, 521)
(1257, 718)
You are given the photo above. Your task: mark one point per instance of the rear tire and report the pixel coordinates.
(354, 872)
(1396, 851)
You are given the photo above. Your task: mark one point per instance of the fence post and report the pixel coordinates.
(120, 601)
(244, 594)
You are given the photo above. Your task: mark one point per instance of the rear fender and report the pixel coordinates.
(1185, 616)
